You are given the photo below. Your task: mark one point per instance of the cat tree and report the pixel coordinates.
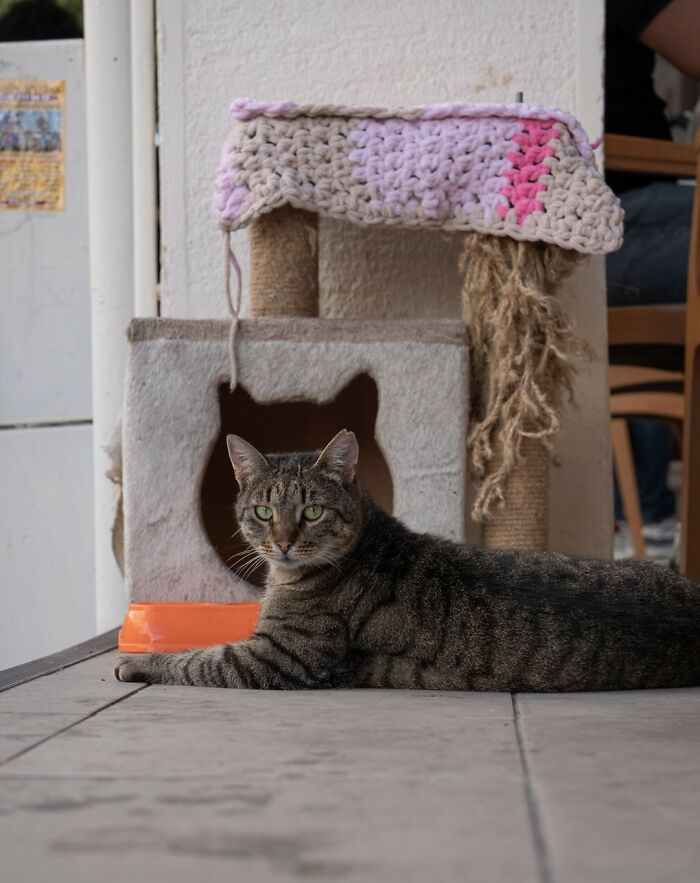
(518, 182)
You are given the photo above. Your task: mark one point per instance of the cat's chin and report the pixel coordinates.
(285, 563)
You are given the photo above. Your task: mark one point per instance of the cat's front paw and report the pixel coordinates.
(133, 668)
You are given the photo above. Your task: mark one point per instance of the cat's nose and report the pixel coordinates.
(284, 546)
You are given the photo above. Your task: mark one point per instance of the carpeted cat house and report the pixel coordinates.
(517, 182)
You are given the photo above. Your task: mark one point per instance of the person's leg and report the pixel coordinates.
(652, 446)
(652, 265)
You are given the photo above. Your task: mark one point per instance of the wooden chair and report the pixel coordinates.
(669, 388)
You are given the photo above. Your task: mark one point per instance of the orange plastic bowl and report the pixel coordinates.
(168, 626)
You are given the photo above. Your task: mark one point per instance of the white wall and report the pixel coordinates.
(370, 51)
(47, 597)
(46, 545)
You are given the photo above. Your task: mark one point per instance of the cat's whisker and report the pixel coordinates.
(321, 556)
(243, 554)
(252, 567)
(242, 576)
(232, 570)
(239, 566)
(254, 556)
(239, 562)
(236, 565)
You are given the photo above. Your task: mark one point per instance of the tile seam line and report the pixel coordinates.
(70, 726)
(544, 865)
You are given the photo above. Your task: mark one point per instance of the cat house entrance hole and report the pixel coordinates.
(287, 426)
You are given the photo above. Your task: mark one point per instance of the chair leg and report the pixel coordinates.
(627, 481)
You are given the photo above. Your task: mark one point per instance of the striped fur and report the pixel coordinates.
(359, 600)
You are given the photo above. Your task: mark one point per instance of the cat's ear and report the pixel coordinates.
(339, 458)
(248, 463)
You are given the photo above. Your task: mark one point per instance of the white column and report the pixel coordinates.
(143, 114)
(108, 98)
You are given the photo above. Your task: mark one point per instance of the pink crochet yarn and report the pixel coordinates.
(528, 167)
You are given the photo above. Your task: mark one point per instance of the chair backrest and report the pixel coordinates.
(627, 153)
(657, 325)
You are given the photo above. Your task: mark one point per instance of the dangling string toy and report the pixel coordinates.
(234, 305)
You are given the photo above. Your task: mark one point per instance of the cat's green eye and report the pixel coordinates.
(313, 513)
(264, 513)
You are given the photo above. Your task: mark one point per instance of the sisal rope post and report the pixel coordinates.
(284, 263)
(522, 522)
(520, 357)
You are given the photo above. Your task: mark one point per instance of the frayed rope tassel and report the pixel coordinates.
(234, 305)
(520, 362)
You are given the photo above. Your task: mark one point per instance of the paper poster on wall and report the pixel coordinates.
(32, 145)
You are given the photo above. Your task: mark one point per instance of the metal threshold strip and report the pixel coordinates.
(38, 668)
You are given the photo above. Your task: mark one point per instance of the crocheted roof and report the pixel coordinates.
(516, 170)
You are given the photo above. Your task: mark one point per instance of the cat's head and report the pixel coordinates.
(298, 509)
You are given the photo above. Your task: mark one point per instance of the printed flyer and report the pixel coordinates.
(32, 145)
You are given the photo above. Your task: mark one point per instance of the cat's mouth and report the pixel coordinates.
(293, 560)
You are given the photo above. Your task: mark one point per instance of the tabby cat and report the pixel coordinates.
(354, 598)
